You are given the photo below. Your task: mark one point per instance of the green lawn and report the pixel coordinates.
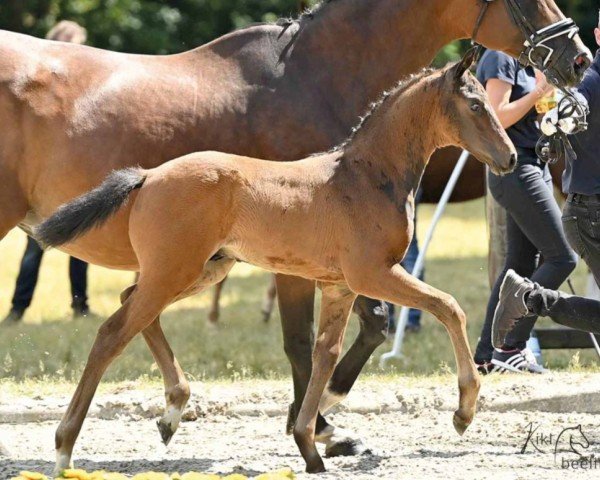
(49, 344)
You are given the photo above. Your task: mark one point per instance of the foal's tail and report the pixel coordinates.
(91, 209)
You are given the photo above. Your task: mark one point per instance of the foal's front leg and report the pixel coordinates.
(336, 304)
(399, 287)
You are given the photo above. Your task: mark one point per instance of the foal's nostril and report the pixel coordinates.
(513, 161)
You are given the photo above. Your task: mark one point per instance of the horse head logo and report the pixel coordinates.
(571, 440)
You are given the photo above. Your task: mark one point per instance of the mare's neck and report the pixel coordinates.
(352, 50)
(395, 144)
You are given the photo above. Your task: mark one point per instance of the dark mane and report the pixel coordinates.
(400, 87)
(307, 14)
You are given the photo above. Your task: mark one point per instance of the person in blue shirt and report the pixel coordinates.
(521, 298)
(533, 226)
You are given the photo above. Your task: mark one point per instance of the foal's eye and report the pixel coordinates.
(476, 107)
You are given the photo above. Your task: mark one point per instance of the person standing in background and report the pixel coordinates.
(64, 31)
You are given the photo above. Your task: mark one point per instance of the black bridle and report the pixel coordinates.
(557, 146)
(535, 40)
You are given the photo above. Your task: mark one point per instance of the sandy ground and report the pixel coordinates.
(406, 423)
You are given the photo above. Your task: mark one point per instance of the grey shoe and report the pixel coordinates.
(511, 306)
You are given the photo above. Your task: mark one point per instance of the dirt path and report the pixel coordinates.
(406, 424)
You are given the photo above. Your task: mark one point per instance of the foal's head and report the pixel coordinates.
(467, 119)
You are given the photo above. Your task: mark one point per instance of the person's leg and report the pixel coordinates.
(582, 227)
(78, 275)
(521, 255)
(519, 298)
(28, 276)
(534, 209)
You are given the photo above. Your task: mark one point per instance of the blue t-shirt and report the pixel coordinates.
(583, 174)
(526, 132)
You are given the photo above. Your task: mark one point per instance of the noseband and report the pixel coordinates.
(535, 40)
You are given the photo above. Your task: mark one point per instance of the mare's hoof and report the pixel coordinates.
(346, 448)
(460, 425)
(166, 432)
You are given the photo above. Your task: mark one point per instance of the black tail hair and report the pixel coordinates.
(89, 210)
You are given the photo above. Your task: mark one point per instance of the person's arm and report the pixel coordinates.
(509, 112)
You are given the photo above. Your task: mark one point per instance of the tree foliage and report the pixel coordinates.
(169, 26)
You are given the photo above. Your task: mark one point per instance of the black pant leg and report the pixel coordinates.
(533, 207)
(28, 275)
(568, 310)
(582, 227)
(78, 275)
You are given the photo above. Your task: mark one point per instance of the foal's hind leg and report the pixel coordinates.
(156, 289)
(177, 388)
(335, 307)
(398, 286)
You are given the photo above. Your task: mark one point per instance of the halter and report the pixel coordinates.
(534, 39)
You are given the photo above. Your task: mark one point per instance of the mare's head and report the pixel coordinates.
(536, 31)
(467, 119)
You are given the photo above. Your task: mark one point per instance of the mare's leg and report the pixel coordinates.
(214, 313)
(269, 300)
(335, 307)
(373, 317)
(177, 388)
(296, 306)
(398, 286)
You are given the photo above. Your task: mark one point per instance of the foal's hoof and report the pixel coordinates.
(460, 425)
(166, 432)
(346, 448)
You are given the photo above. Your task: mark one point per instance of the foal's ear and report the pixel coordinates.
(471, 56)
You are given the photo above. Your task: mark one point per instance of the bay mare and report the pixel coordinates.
(70, 114)
(342, 219)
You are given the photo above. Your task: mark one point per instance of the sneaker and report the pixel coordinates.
(13, 317)
(514, 361)
(511, 306)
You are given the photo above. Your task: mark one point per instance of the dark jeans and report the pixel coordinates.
(28, 277)
(533, 228)
(581, 220)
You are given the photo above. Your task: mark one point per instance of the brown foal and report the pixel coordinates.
(194, 217)
(70, 114)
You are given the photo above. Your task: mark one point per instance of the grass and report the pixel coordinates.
(50, 345)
